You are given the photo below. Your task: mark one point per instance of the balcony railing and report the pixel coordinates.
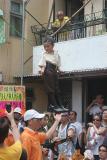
(84, 26)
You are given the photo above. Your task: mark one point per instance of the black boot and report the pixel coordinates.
(63, 108)
(59, 101)
(55, 109)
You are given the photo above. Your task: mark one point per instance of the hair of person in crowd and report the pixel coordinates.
(103, 145)
(73, 112)
(4, 128)
(26, 123)
(98, 115)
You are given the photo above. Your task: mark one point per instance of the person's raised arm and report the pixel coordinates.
(100, 130)
(90, 105)
(14, 128)
(54, 126)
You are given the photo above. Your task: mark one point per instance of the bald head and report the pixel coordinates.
(60, 15)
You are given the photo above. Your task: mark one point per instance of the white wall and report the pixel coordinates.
(84, 54)
(97, 6)
(77, 99)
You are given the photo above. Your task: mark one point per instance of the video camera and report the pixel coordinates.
(8, 108)
(53, 145)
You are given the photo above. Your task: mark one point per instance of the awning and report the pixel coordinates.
(66, 75)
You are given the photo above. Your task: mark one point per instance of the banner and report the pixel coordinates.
(13, 95)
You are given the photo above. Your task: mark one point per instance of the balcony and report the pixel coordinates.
(85, 26)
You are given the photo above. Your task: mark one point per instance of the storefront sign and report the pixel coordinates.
(14, 95)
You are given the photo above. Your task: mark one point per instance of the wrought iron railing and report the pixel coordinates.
(84, 26)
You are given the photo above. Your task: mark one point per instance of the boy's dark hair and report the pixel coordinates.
(4, 129)
(49, 40)
(103, 145)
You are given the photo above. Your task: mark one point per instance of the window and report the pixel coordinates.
(29, 97)
(16, 19)
(66, 92)
(105, 4)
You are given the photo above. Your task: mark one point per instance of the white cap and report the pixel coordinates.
(30, 114)
(17, 110)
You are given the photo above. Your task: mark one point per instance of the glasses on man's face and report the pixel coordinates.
(96, 119)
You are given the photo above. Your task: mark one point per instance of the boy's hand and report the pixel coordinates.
(41, 72)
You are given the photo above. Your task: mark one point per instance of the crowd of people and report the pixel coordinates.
(50, 136)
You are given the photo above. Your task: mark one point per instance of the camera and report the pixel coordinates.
(8, 108)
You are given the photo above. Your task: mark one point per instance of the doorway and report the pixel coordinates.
(95, 87)
(71, 6)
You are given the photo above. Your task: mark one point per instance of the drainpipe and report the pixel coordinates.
(22, 42)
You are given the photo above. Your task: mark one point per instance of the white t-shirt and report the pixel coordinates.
(78, 127)
(94, 141)
(53, 58)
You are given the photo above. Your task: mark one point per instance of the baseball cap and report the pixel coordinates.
(17, 110)
(30, 114)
